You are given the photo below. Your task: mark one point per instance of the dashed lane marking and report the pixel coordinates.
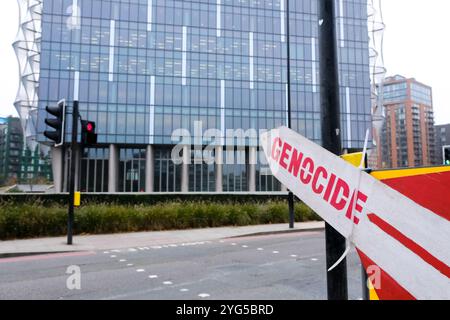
(153, 276)
(203, 295)
(140, 270)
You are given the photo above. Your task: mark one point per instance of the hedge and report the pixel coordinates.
(39, 219)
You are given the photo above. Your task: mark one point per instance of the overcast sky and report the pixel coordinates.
(416, 45)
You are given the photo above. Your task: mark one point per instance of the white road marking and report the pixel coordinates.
(222, 241)
(140, 270)
(132, 250)
(129, 265)
(156, 247)
(244, 246)
(314, 259)
(260, 249)
(190, 244)
(184, 290)
(113, 256)
(293, 255)
(122, 260)
(116, 250)
(203, 295)
(275, 252)
(153, 276)
(234, 244)
(106, 252)
(167, 282)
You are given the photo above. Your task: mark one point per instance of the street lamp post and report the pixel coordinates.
(331, 138)
(289, 115)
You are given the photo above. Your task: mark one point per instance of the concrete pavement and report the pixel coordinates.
(141, 239)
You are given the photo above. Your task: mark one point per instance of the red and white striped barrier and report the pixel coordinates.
(408, 242)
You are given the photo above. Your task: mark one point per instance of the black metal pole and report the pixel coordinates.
(288, 45)
(365, 288)
(70, 217)
(331, 138)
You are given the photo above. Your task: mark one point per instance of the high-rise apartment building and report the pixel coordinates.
(144, 68)
(408, 135)
(17, 162)
(35, 167)
(11, 144)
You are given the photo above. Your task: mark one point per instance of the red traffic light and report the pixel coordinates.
(88, 135)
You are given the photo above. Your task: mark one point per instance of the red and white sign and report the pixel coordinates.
(410, 243)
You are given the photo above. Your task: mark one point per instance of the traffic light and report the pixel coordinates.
(88, 135)
(447, 155)
(57, 122)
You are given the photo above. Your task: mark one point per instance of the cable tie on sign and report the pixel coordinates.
(349, 239)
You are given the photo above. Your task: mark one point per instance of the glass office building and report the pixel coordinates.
(144, 68)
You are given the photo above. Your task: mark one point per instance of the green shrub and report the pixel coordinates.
(39, 219)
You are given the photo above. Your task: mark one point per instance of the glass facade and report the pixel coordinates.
(421, 94)
(395, 92)
(145, 68)
(94, 163)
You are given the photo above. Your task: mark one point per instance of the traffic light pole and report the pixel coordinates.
(70, 218)
(331, 138)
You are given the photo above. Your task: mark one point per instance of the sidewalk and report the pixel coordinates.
(142, 239)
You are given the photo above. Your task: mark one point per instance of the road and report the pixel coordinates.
(270, 267)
